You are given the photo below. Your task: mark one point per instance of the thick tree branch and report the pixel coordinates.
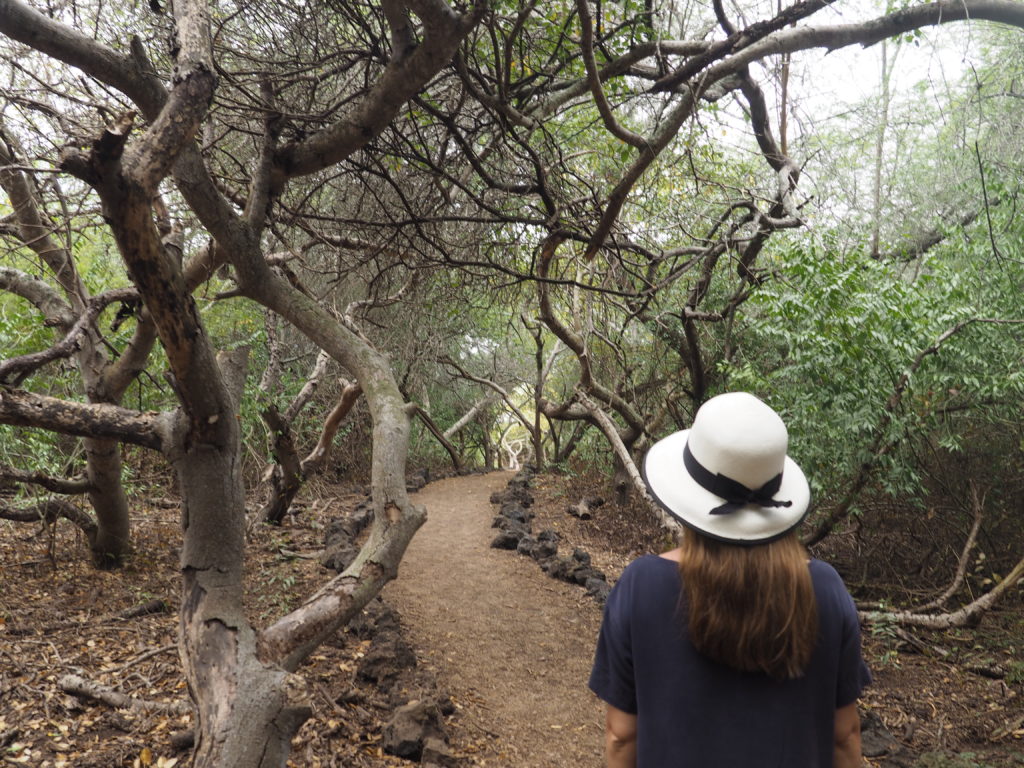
(286, 477)
(38, 293)
(611, 433)
(653, 147)
(401, 80)
(436, 431)
(594, 78)
(66, 486)
(128, 74)
(34, 230)
(920, 245)
(314, 462)
(577, 345)
(467, 418)
(624, 64)
(870, 32)
(738, 40)
(79, 686)
(149, 160)
(26, 409)
(309, 387)
(967, 616)
(49, 512)
(497, 388)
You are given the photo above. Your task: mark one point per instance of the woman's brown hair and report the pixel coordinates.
(750, 608)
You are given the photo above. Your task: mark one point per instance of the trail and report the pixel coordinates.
(511, 645)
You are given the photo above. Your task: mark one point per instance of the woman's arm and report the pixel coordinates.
(847, 750)
(620, 738)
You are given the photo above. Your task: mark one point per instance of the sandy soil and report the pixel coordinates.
(512, 646)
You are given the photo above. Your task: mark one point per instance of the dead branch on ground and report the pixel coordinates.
(88, 689)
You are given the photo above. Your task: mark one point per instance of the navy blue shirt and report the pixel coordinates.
(694, 712)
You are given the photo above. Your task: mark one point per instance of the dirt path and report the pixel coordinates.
(510, 644)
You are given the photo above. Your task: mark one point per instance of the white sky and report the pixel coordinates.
(843, 78)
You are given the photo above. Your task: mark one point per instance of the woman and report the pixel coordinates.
(734, 649)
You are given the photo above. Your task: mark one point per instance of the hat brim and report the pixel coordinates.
(680, 495)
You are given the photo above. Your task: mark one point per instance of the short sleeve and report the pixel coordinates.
(853, 672)
(612, 675)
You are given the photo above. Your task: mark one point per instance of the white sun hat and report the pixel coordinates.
(728, 476)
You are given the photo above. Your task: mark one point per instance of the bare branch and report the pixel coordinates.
(15, 370)
(38, 293)
(622, 65)
(257, 207)
(497, 388)
(375, 303)
(67, 486)
(968, 616)
(469, 415)
(403, 39)
(149, 160)
(350, 393)
(679, 114)
(401, 80)
(26, 25)
(594, 78)
(738, 40)
(611, 433)
(435, 430)
(34, 229)
(26, 409)
(870, 32)
(577, 344)
(294, 636)
(309, 387)
(49, 511)
(977, 507)
(79, 686)
(285, 477)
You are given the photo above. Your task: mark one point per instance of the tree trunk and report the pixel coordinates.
(286, 475)
(103, 460)
(431, 425)
(248, 711)
(106, 494)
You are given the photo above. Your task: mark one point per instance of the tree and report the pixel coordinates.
(249, 701)
(66, 304)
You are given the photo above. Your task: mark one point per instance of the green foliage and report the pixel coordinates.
(829, 345)
(1015, 672)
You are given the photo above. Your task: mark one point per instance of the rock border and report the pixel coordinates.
(514, 521)
(387, 675)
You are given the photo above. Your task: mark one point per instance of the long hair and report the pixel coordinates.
(750, 608)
